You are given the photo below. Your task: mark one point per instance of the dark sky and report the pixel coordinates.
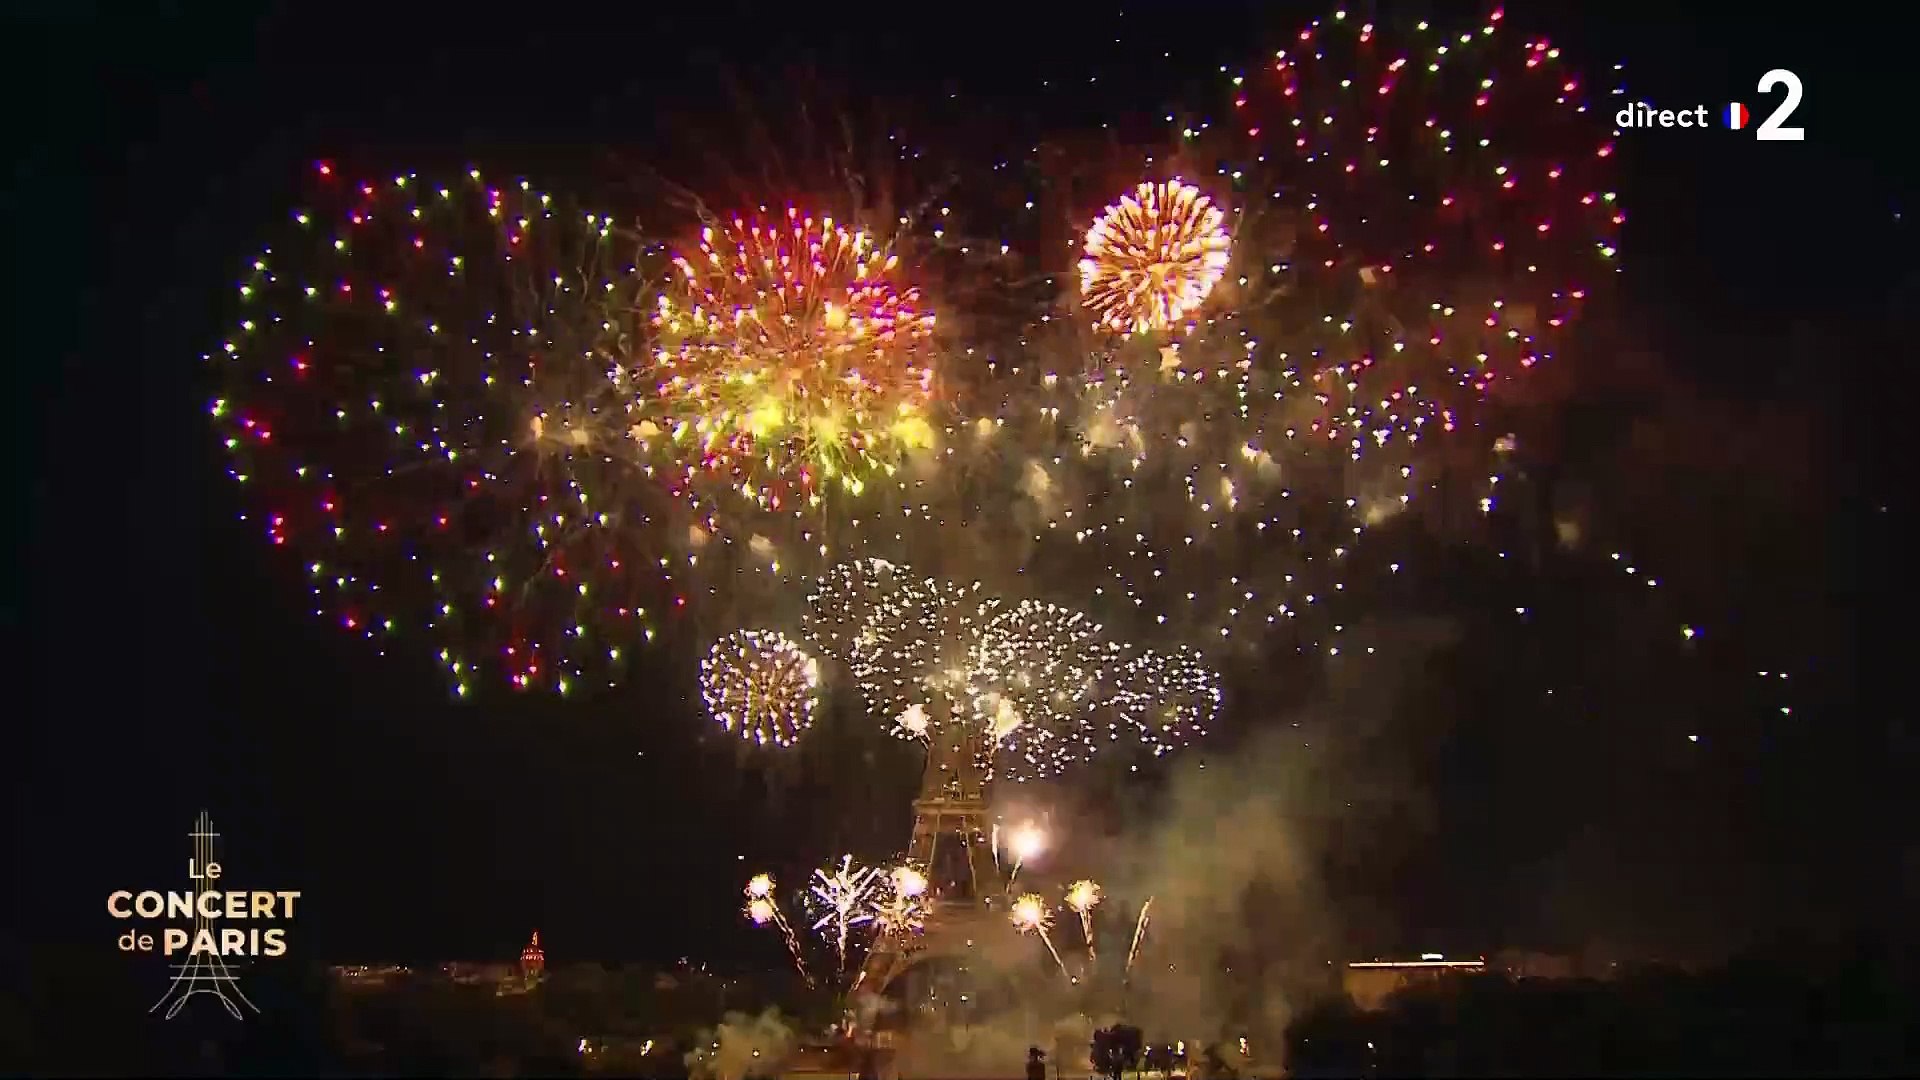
(168, 665)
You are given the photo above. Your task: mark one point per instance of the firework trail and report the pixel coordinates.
(1082, 896)
(844, 898)
(1139, 934)
(762, 908)
(1030, 914)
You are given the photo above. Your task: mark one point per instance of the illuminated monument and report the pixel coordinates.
(1371, 982)
(952, 842)
(533, 962)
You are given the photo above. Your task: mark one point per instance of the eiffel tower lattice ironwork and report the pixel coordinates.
(203, 973)
(952, 842)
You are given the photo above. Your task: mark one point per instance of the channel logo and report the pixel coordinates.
(1737, 116)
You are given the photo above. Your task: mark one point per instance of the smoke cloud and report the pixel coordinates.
(1233, 847)
(742, 1047)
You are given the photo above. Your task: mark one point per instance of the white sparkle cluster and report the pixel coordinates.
(761, 685)
(1041, 685)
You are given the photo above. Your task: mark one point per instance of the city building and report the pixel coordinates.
(533, 962)
(508, 978)
(367, 976)
(1370, 982)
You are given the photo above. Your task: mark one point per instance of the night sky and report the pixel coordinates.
(171, 663)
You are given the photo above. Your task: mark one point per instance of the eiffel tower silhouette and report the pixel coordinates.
(951, 843)
(203, 973)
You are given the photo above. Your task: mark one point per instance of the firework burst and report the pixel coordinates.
(761, 686)
(851, 608)
(1038, 673)
(1443, 207)
(443, 400)
(1429, 214)
(905, 639)
(788, 361)
(1038, 683)
(1153, 257)
(417, 403)
(1171, 697)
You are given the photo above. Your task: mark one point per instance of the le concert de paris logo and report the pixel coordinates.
(209, 927)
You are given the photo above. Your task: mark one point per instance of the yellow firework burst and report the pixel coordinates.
(1030, 913)
(789, 359)
(1153, 257)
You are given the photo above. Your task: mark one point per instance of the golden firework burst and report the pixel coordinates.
(1153, 257)
(788, 358)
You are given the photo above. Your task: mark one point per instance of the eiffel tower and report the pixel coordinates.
(951, 842)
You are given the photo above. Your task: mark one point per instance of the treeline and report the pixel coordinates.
(64, 1016)
(71, 1014)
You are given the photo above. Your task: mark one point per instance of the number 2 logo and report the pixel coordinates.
(1770, 129)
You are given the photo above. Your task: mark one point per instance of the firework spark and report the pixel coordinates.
(1026, 841)
(1082, 897)
(843, 898)
(913, 723)
(761, 686)
(1139, 933)
(788, 360)
(1030, 914)
(762, 907)
(1153, 257)
(902, 912)
(907, 880)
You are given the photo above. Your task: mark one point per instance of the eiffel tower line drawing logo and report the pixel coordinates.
(203, 973)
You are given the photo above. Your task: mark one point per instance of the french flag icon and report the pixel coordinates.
(1738, 116)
